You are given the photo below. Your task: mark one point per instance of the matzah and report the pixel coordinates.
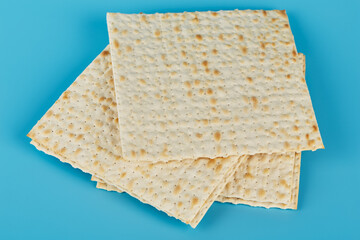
(209, 84)
(292, 204)
(271, 173)
(81, 128)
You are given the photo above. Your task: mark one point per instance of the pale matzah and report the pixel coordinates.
(208, 84)
(263, 177)
(292, 204)
(81, 128)
(269, 182)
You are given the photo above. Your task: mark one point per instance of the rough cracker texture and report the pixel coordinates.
(292, 204)
(209, 84)
(263, 177)
(82, 128)
(239, 190)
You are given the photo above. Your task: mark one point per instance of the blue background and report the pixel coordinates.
(45, 45)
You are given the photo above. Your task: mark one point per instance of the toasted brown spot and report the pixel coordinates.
(197, 82)
(264, 13)
(165, 150)
(143, 18)
(254, 101)
(77, 151)
(218, 168)
(207, 70)
(59, 132)
(199, 37)
(198, 135)
(205, 122)
(283, 183)
(315, 128)
(244, 50)
(105, 53)
(66, 95)
(129, 48)
(187, 84)
(296, 128)
(213, 101)
(211, 163)
(183, 53)
(123, 174)
(194, 201)
(142, 152)
(311, 142)
(280, 195)
(307, 136)
(189, 94)
(221, 37)
(137, 41)
(286, 25)
(101, 99)
(214, 51)
(201, 91)
(157, 33)
(214, 14)
(217, 136)
(286, 145)
(262, 45)
(116, 44)
(249, 79)
(261, 193)
(294, 53)
(241, 38)
(122, 78)
(79, 137)
(195, 20)
(133, 154)
(177, 29)
(245, 99)
(209, 91)
(179, 204)
(104, 108)
(124, 32)
(248, 175)
(266, 170)
(177, 189)
(282, 13)
(47, 131)
(49, 113)
(63, 150)
(142, 81)
(216, 72)
(205, 63)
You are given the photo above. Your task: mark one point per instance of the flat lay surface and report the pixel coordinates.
(45, 46)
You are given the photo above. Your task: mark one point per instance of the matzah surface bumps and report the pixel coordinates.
(81, 128)
(272, 183)
(209, 84)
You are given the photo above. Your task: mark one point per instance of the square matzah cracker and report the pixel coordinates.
(81, 128)
(263, 177)
(260, 201)
(209, 84)
(268, 182)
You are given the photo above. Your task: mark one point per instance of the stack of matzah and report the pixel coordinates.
(184, 109)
